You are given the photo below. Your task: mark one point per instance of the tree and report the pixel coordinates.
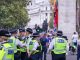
(13, 13)
(45, 26)
(51, 23)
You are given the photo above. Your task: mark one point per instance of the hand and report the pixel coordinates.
(29, 54)
(49, 51)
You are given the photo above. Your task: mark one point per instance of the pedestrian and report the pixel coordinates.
(49, 37)
(58, 47)
(44, 42)
(75, 38)
(6, 50)
(45, 26)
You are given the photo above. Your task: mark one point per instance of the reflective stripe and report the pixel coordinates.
(22, 49)
(12, 42)
(31, 45)
(8, 59)
(2, 53)
(7, 48)
(35, 52)
(60, 46)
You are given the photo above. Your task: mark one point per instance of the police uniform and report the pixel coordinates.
(29, 32)
(65, 37)
(58, 46)
(25, 40)
(6, 50)
(22, 49)
(34, 47)
(14, 42)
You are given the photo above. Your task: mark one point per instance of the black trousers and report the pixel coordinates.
(58, 56)
(24, 56)
(34, 57)
(17, 56)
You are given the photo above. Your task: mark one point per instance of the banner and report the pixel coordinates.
(55, 20)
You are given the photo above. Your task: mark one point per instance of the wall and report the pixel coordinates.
(67, 17)
(37, 12)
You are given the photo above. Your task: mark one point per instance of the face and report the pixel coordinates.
(22, 33)
(44, 35)
(38, 38)
(27, 33)
(3, 38)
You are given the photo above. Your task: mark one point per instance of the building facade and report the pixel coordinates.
(78, 16)
(67, 17)
(39, 10)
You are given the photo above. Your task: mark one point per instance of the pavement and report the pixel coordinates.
(68, 57)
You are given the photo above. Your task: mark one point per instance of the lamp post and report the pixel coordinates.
(40, 15)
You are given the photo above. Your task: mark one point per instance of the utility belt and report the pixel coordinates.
(22, 49)
(18, 52)
(39, 48)
(34, 52)
(61, 51)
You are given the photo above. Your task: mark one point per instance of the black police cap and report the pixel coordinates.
(13, 31)
(4, 33)
(21, 30)
(29, 30)
(35, 35)
(59, 33)
(65, 37)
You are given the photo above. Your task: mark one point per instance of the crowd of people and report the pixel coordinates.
(24, 44)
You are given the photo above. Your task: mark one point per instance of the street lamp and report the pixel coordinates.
(40, 15)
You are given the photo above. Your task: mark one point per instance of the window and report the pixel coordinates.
(28, 9)
(28, 3)
(31, 3)
(50, 8)
(46, 8)
(46, 14)
(50, 14)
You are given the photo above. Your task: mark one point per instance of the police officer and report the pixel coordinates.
(22, 38)
(58, 46)
(34, 47)
(29, 32)
(15, 43)
(6, 50)
(65, 37)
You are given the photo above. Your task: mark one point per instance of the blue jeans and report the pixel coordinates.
(44, 50)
